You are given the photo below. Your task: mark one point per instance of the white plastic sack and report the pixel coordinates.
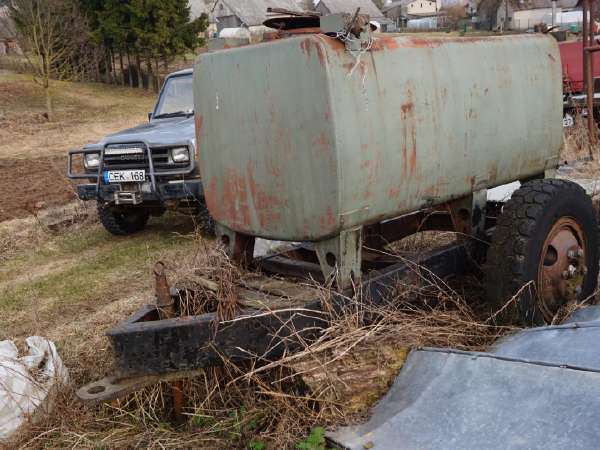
(26, 382)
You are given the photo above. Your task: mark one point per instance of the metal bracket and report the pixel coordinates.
(468, 213)
(238, 247)
(340, 258)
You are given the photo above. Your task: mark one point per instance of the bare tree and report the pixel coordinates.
(455, 14)
(44, 30)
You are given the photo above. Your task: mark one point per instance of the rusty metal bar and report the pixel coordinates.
(164, 300)
(593, 48)
(166, 310)
(588, 67)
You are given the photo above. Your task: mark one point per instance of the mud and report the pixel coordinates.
(27, 186)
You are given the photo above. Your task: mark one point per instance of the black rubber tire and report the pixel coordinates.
(205, 221)
(516, 247)
(123, 222)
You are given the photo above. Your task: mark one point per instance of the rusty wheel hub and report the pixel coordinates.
(562, 266)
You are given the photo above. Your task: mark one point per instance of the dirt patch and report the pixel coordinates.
(31, 185)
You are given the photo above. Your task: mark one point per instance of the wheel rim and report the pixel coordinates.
(562, 267)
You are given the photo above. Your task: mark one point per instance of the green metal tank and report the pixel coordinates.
(300, 139)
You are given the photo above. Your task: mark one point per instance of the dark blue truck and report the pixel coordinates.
(143, 171)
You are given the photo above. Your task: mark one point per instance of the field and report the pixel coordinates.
(64, 277)
(61, 275)
(33, 150)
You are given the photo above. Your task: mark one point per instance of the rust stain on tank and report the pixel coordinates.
(199, 122)
(322, 143)
(231, 206)
(409, 134)
(394, 192)
(321, 54)
(493, 171)
(306, 46)
(266, 206)
(386, 43)
(328, 221)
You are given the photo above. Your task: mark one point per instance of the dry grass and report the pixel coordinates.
(84, 112)
(273, 404)
(576, 144)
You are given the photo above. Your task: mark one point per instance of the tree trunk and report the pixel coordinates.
(108, 74)
(123, 81)
(49, 109)
(150, 74)
(113, 67)
(138, 66)
(158, 82)
(129, 71)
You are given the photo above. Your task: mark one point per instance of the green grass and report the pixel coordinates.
(91, 263)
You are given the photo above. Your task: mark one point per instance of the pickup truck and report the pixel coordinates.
(143, 171)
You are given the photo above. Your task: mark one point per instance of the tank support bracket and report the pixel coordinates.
(340, 258)
(239, 247)
(468, 214)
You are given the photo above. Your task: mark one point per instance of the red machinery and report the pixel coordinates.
(571, 54)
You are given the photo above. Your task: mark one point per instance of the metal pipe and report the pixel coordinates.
(588, 68)
(166, 310)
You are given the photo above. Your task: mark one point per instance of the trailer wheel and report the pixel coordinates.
(122, 222)
(544, 252)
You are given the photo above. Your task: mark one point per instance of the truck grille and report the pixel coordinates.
(134, 156)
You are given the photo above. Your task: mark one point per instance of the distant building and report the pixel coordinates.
(8, 40)
(326, 7)
(525, 14)
(422, 8)
(247, 13)
(349, 6)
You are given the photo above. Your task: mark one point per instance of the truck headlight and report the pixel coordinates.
(180, 154)
(91, 160)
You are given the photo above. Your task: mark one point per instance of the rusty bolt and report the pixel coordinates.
(572, 271)
(584, 270)
(565, 275)
(571, 254)
(580, 253)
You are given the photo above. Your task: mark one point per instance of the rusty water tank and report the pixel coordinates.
(300, 139)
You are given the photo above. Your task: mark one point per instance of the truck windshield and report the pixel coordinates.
(177, 98)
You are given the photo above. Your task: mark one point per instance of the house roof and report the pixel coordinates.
(537, 4)
(199, 7)
(7, 27)
(254, 12)
(350, 6)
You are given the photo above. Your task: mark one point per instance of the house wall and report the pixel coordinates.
(526, 19)
(225, 17)
(424, 23)
(422, 8)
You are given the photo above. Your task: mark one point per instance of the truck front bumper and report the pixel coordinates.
(184, 190)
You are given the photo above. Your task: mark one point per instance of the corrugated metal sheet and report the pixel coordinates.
(539, 389)
(254, 12)
(350, 6)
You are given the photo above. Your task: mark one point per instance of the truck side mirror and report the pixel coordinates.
(149, 116)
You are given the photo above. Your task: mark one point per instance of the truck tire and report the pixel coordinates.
(544, 252)
(205, 221)
(122, 222)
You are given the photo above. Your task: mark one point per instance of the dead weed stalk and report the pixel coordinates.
(330, 380)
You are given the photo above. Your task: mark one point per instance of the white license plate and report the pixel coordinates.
(124, 176)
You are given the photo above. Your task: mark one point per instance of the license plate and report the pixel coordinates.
(124, 176)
